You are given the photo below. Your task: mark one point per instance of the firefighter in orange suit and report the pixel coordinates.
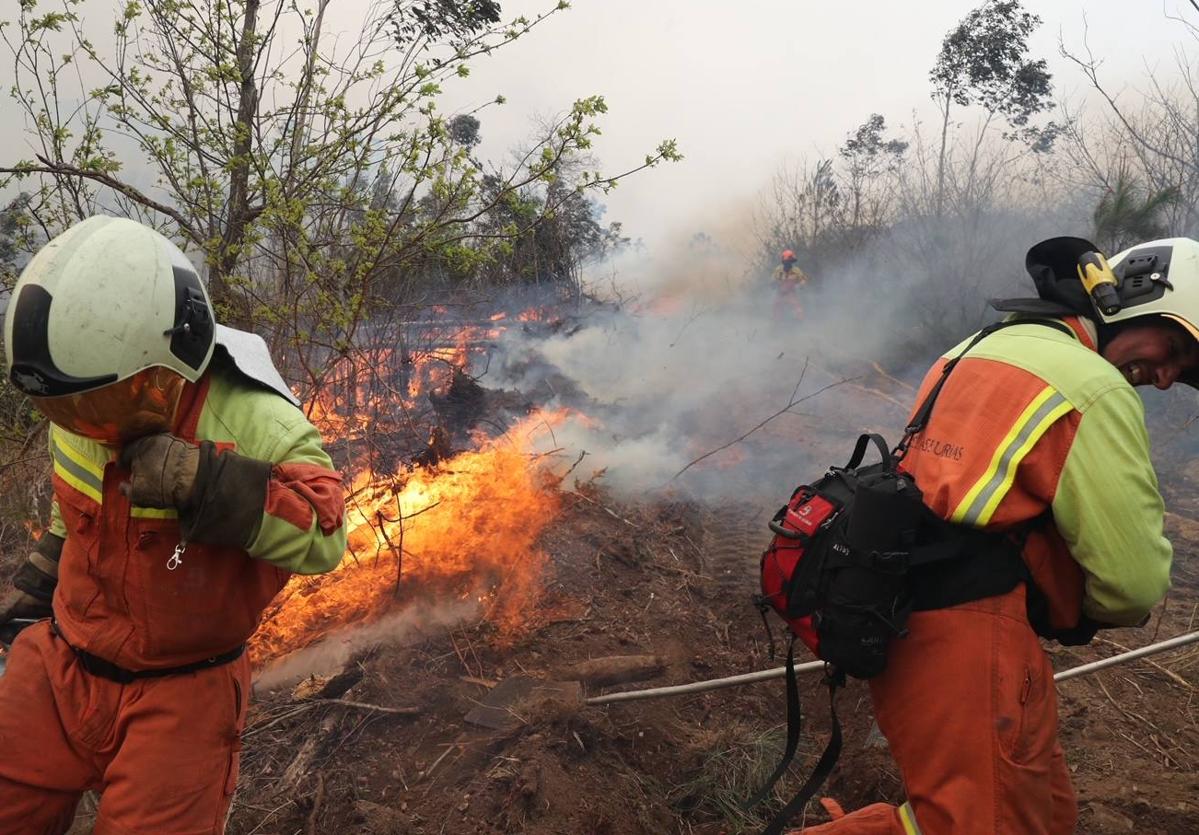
(787, 275)
(188, 487)
(788, 279)
(1032, 425)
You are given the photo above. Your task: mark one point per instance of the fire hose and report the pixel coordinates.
(812, 666)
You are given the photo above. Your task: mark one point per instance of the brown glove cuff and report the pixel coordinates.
(228, 499)
(38, 575)
(50, 547)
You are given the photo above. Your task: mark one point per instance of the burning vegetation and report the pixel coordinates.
(438, 524)
(466, 528)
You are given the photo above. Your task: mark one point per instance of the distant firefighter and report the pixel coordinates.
(788, 275)
(788, 279)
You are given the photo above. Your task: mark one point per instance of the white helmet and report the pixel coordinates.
(1158, 278)
(101, 302)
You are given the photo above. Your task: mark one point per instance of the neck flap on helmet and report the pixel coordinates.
(1053, 265)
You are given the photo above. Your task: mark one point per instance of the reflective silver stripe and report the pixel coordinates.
(972, 515)
(86, 476)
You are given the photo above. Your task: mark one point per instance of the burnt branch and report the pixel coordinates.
(792, 403)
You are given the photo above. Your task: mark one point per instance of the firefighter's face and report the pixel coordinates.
(1155, 354)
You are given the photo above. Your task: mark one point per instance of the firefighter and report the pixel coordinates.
(187, 488)
(788, 275)
(788, 279)
(1038, 432)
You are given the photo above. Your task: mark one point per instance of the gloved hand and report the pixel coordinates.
(220, 495)
(34, 581)
(162, 471)
(1080, 635)
(20, 604)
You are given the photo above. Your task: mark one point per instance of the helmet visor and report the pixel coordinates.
(143, 404)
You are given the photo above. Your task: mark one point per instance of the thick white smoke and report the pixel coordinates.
(701, 355)
(332, 654)
(700, 350)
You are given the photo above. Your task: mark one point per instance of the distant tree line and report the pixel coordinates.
(944, 217)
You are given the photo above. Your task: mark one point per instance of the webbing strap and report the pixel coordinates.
(794, 723)
(823, 768)
(859, 450)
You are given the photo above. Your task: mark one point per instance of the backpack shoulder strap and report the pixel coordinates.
(921, 416)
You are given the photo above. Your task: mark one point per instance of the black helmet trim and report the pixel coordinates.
(33, 369)
(1144, 274)
(194, 328)
(1036, 307)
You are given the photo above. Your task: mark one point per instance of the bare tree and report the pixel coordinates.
(315, 177)
(1143, 135)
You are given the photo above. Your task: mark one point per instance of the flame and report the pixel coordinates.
(464, 529)
(373, 387)
(469, 529)
(545, 315)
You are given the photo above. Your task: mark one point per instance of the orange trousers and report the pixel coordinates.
(163, 752)
(969, 707)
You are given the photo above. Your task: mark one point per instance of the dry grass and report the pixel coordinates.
(734, 763)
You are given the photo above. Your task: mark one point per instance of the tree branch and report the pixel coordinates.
(62, 169)
(793, 402)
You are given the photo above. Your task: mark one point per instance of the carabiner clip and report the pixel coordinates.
(176, 559)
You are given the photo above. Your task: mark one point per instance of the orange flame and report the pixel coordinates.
(469, 528)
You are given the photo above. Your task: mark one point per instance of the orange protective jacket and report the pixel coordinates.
(1033, 428)
(117, 596)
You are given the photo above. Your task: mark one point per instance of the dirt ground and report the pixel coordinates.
(672, 580)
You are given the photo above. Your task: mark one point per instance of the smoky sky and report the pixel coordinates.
(744, 87)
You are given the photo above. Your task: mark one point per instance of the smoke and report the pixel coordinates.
(698, 349)
(331, 655)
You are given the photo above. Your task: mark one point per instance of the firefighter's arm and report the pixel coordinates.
(302, 521)
(1108, 509)
(281, 500)
(37, 577)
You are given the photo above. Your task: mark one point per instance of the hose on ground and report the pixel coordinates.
(812, 666)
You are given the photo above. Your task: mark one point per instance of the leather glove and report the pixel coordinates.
(1080, 635)
(21, 604)
(220, 496)
(34, 581)
(162, 471)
